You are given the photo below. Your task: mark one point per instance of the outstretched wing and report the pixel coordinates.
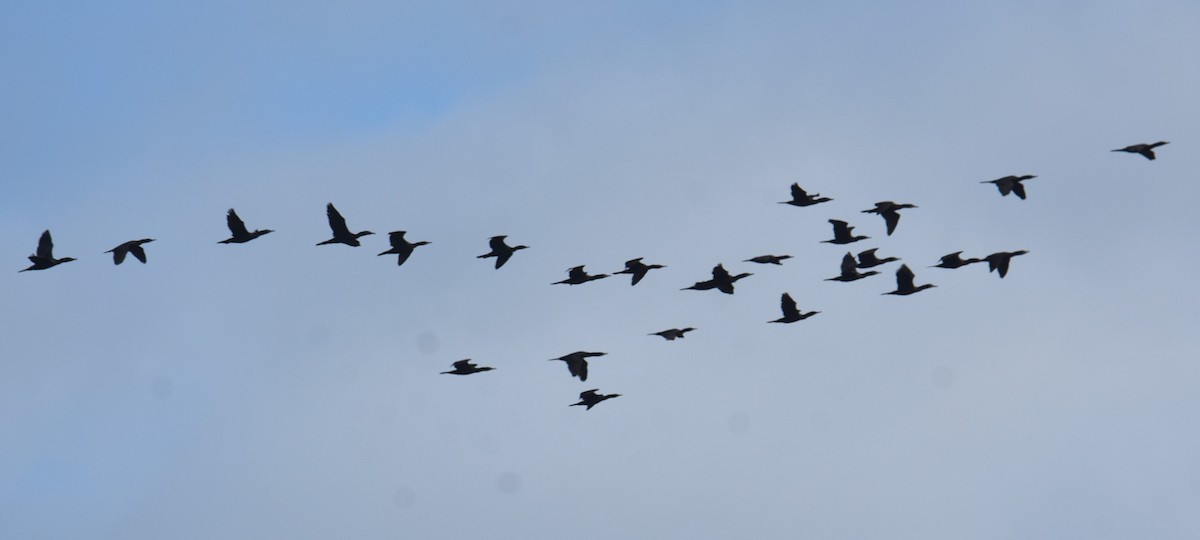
(336, 221)
(464, 365)
(849, 267)
(119, 254)
(788, 306)
(45, 247)
(904, 278)
(236, 226)
(497, 244)
(892, 217)
(798, 193)
(395, 238)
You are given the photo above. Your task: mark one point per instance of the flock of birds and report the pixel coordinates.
(852, 266)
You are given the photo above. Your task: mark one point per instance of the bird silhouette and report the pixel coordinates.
(998, 262)
(590, 398)
(1010, 184)
(843, 233)
(133, 247)
(238, 232)
(1146, 150)
(673, 333)
(465, 367)
(341, 233)
(401, 247)
(904, 282)
(867, 259)
(954, 260)
(722, 280)
(802, 198)
(501, 251)
(769, 259)
(577, 362)
(850, 270)
(890, 212)
(43, 258)
(577, 275)
(791, 314)
(637, 269)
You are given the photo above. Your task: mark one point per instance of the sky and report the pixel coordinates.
(277, 389)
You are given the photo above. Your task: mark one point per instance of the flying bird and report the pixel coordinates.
(673, 333)
(341, 233)
(843, 233)
(955, 260)
(867, 259)
(1010, 184)
(465, 367)
(238, 232)
(998, 262)
(904, 282)
(802, 198)
(577, 362)
(638, 269)
(401, 247)
(850, 270)
(577, 275)
(43, 258)
(769, 259)
(722, 280)
(132, 247)
(590, 398)
(1146, 150)
(890, 212)
(501, 251)
(791, 314)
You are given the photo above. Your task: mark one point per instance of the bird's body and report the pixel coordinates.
(132, 247)
(955, 260)
(591, 397)
(401, 247)
(577, 363)
(637, 269)
(868, 259)
(577, 276)
(998, 262)
(890, 212)
(803, 198)
(769, 259)
(43, 258)
(904, 282)
(500, 250)
(850, 270)
(1010, 184)
(843, 233)
(238, 232)
(791, 313)
(1145, 150)
(341, 233)
(673, 333)
(465, 367)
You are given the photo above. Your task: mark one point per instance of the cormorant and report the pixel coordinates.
(850, 270)
(1146, 150)
(769, 259)
(904, 282)
(802, 198)
(1010, 184)
(577, 362)
(954, 260)
(790, 313)
(890, 212)
(577, 275)
(44, 257)
(401, 247)
(465, 367)
(867, 259)
(721, 281)
(591, 398)
(842, 233)
(133, 247)
(500, 250)
(673, 333)
(998, 262)
(638, 269)
(238, 232)
(341, 233)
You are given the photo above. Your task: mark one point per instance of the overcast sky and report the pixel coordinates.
(277, 389)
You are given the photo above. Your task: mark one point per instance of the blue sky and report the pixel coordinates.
(278, 389)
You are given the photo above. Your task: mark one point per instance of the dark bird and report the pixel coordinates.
(904, 282)
(591, 398)
(44, 257)
(802, 198)
(850, 270)
(237, 230)
(133, 247)
(890, 212)
(401, 247)
(721, 280)
(998, 262)
(673, 333)
(843, 233)
(769, 259)
(577, 362)
(954, 260)
(1146, 150)
(341, 233)
(577, 275)
(465, 367)
(501, 251)
(790, 313)
(867, 259)
(638, 269)
(1010, 184)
